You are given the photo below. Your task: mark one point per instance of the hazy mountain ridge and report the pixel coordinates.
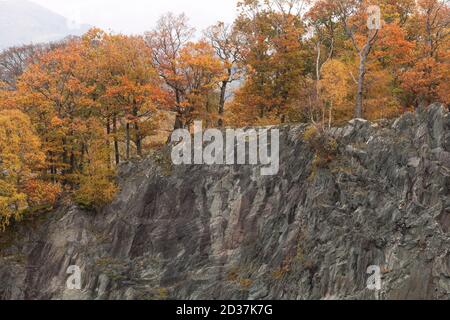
(25, 22)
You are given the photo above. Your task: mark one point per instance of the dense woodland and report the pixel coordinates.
(71, 112)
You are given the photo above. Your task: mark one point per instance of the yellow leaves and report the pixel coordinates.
(427, 79)
(97, 98)
(443, 88)
(335, 89)
(20, 159)
(41, 193)
(275, 60)
(201, 67)
(96, 183)
(93, 35)
(95, 191)
(73, 93)
(12, 206)
(126, 73)
(198, 75)
(56, 122)
(19, 145)
(335, 81)
(392, 47)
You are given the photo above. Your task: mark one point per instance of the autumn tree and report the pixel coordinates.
(427, 77)
(353, 16)
(274, 58)
(21, 164)
(71, 112)
(227, 44)
(14, 61)
(334, 86)
(95, 181)
(57, 83)
(391, 55)
(55, 94)
(166, 41)
(128, 88)
(321, 18)
(200, 74)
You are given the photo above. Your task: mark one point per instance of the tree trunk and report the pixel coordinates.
(137, 131)
(178, 120)
(128, 140)
(108, 141)
(138, 139)
(223, 91)
(363, 54)
(73, 165)
(108, 128)
(83, 148)
(116, 142)
(319, 54)
(64, 155)
(318, 70)
(360, 92)
(330, 115)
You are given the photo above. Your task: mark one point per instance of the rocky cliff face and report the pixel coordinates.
(198, 232)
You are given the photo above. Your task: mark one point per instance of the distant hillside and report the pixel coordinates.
(24, 22)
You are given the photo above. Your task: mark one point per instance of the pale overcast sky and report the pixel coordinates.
(137, 16)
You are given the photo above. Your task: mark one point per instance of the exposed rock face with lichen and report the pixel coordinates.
(219, 232)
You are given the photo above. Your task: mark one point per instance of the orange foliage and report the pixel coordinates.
(70, 113)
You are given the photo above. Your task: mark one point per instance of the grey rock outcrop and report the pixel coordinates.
(222, 232)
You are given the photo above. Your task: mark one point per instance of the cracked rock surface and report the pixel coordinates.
(226, 232)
